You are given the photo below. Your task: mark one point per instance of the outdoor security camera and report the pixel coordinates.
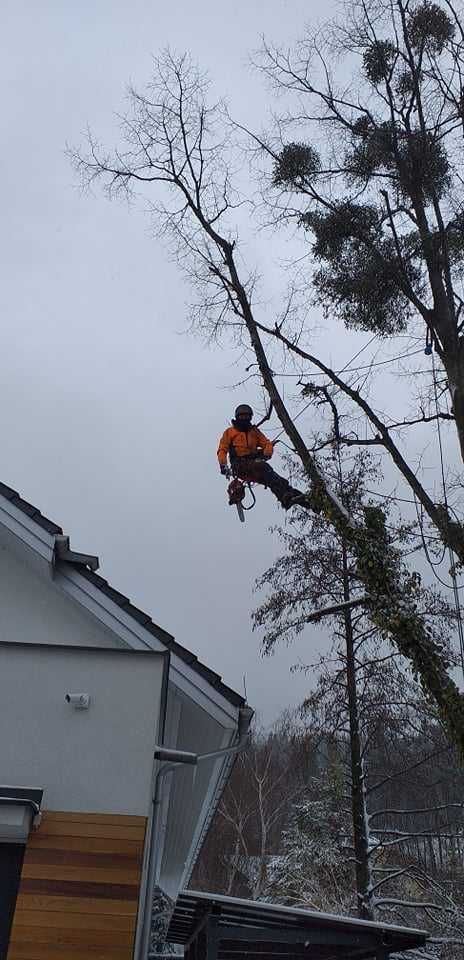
(79, 700)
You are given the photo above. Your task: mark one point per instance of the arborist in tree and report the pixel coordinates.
(248, 450)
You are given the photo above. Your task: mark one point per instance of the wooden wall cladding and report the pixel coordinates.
(79, 888)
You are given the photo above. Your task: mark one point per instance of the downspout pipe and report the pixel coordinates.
(178, 758)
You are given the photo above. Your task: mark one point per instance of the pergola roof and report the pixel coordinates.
(214, 927)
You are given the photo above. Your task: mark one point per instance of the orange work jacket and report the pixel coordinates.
(241, 443)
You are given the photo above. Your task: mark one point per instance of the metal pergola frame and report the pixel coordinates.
(213, 927)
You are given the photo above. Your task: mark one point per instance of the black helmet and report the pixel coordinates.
(243, 410)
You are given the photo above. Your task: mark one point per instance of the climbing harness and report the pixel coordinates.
(239, 486)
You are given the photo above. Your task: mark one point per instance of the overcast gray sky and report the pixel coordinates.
(110, 416)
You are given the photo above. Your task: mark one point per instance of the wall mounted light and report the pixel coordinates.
(19, 813)
(80, 701)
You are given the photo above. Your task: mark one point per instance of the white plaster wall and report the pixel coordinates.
(95, 760)
(34, 609)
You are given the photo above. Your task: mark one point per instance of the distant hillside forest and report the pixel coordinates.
(284, 828)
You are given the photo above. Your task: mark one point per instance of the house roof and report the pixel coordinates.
(122, 601)
(32, 512)
(261, 931)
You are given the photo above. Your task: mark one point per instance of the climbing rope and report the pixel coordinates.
(452, 570)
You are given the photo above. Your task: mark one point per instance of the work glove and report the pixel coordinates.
(225, 470)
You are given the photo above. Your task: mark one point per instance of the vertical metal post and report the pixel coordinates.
(200, 944)
(212, 939)
(192, 950)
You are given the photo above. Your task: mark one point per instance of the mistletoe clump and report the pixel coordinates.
(418, 161)
(405, 82)
(369, 300)
(374, 151)
(378, 60)
(296, 163)
(360, 272)
(423, 165)
(339, 226)
(430, 27)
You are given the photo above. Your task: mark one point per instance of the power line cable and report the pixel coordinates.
(346, 369)
(347, 364)
(349, 369)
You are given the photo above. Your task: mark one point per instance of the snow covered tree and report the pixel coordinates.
(312, 869)
(319, 571)
(368, 706)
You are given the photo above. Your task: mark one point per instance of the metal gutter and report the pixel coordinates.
(144, 890)
(142, 946)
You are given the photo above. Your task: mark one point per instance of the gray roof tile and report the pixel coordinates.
(29, 510)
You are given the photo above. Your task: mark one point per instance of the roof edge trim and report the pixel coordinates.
(26, 529)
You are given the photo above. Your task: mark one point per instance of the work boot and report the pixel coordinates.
(292, 498)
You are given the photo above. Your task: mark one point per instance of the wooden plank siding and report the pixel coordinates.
(79, 888)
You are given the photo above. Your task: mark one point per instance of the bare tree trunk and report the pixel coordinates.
(234, 868)
(358, 797)
(261, 877)
(453, 361)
